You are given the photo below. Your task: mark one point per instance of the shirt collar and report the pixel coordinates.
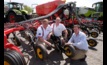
(43, 27)
(78, 34)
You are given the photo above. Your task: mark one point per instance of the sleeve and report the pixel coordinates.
(63, 27)
(52, 26)
(50, 29)
(82, 40)
(71, 39)
(39, 33)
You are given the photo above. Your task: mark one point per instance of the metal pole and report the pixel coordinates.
(32, 7)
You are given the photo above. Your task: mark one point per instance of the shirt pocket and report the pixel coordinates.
(48, 30)
(59, 28)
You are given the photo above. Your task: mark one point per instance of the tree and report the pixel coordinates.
(27, 8)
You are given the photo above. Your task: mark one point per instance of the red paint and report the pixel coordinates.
(12, 17)
(47, 8)
(10, 45)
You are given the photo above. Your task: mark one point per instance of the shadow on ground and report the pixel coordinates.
(74, 62)
(54, 58)
(92, 48)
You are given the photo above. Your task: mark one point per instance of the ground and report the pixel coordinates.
(94, 56)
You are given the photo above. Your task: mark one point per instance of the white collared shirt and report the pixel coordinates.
(79, 41)
(43, 32)
(58, 29)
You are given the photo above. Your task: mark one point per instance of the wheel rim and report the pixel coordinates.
(12, 17)
(39, 53)
(94, 34)
(6, 63)
(91, 43)
(68, 53)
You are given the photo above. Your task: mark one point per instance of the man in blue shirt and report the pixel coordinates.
(79, 41)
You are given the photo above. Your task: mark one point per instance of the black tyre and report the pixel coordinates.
(12, 57)
(86, 32)
(41, 51)
(70, 32)
(94, 34)
(11, 17)
(92, 42)
(69, 51)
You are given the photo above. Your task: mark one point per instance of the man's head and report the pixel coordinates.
(45, 22)
(76, 29)
(58, 20)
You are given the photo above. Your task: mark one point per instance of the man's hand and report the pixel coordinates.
(48, 43)
(65, 38)
(68, 43)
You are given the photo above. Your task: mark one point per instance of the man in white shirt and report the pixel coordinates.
(44, 32)
(79, 41)
(57, 29)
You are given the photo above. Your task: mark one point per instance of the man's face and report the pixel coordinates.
(76, 30)
(45, 23)
(58, 20)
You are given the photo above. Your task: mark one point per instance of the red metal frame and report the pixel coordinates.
(7, 31)
(8, 45)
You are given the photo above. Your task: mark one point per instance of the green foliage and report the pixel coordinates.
(27, 8)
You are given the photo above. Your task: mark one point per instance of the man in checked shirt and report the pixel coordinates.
(79, 41)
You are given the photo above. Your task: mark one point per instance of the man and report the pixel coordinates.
(44, 32)
(58, 28)
(78, 40)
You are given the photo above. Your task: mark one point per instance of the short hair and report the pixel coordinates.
(58, 18)
(45, 20)
(76, 26)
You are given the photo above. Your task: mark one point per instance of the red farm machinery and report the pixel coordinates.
(66, 11)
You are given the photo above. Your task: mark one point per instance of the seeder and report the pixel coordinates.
(28, 29)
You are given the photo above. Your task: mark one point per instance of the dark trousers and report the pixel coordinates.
(57, 41)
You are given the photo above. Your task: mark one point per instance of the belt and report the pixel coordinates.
(79, 49)
(58, 36)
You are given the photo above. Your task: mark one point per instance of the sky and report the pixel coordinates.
(80, 3)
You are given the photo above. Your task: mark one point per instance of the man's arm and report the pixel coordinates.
(82, 40)
(39, 36)
(52, 28)
(66, 33)
(49, 35)
(45, 41)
